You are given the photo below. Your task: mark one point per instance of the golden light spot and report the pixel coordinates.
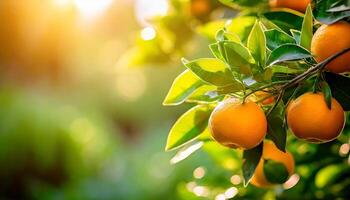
(236, 179)
(344, 149)
(199, 172)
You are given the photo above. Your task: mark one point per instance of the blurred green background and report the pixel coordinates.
(81, 115)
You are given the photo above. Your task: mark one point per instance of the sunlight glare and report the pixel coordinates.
(92, 7)
(146, 10)
(148, 33)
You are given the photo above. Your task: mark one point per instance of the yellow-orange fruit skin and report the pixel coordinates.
(299, 5)
(271, 152)
(329, 40)
(238, 125)
(310, 119)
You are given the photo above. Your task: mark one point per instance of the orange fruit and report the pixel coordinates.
(200, 8)
(262, 95)
(299, 5)
(310, 119)
(271, 152)
(238, 125)
(330, 39)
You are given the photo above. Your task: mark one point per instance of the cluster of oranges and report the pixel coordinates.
(244, 125)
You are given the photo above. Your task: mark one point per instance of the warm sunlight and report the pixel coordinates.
(90, 8)
(145, 10)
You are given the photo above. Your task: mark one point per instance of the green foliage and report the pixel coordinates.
(184, 85)
(265, 51)
(275, 172)
(340, 88)
(257, 44)
(285, 20)
(307, 29)
(327, 94)
(277, 129)
(211, 70)
(251, 160)
(276, 38)
(188, 126)
(329, 12)
(287, 52)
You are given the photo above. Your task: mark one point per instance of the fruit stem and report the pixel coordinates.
(279, 98)
(261, 88)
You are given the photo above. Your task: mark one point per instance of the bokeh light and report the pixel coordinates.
(147, 10)
(148, 33)
(199, 172)
(90, 8)
(291, 182)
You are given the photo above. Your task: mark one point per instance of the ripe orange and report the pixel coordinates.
(330, 39)
(271, 152)
(299, 5)
(238, 125)
(310, 119)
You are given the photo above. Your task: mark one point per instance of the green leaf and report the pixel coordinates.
(340, 88)
(275, 172)
(204, 94)
(223, 35)
(183, 86)
(288, 52)
(238, 57)
(307, 29)
(296, 35)
(286, 20)
(215, 50)
(257, 44)
(327, 12)
(285, 69)
(251, 160)
(277, 130)
(211, 70)
(276, 38)
(188, 126)
(327, 93)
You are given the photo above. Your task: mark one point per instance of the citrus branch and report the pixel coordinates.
(310, 72)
